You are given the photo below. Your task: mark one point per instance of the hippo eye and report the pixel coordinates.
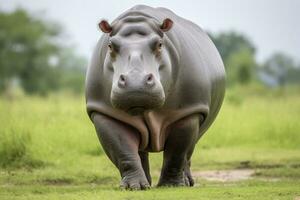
(155, 44)
(110, 46)
(159, 45)
(113, 46)
(112, 50)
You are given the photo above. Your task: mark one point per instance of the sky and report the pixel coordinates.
(272, 25)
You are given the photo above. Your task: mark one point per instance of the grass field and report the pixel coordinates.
(49, 150)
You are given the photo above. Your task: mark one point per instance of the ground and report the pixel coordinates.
(49, 150)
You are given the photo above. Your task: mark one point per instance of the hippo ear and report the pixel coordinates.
(166, 25)
(105, 26)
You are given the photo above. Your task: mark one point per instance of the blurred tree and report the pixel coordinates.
(279, 69)
(242, 67)
(25, 47)
(237, 53)
(73, 68)
(294, 75)
(30, 53)
(229, 43)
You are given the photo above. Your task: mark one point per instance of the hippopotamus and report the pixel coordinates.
(155, 83)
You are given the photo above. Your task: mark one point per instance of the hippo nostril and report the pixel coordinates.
(150, 80)
(122, 81)
(150, 77)
(122, 78)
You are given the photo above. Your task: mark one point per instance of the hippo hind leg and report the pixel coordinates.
(121, 143)
(179, 147)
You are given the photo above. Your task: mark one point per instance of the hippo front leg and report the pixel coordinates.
(179, 147)
(145, 164)
(121, 143)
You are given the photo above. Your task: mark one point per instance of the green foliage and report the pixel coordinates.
(37, 128)
(25, 49)
(72, 68)
(229, 43)
(242, 67)
(15, 150)
(13, 147)
(282, 69)
(27, 46)
(237, 53)
(265, 118)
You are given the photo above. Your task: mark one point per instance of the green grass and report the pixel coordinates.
(49, 150)
(246, 190)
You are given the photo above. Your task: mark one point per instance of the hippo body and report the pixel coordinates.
(165, 108)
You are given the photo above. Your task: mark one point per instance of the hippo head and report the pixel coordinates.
(138, 59)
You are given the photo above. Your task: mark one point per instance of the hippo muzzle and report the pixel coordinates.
(136, 91)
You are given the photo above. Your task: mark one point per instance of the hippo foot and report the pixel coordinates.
(134, 181)
(177, 180)
(172, 180)
(188, 179)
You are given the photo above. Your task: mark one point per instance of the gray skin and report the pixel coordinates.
(155, 83)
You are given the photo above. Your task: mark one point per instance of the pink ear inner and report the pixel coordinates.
(166, 25)
(105, 26)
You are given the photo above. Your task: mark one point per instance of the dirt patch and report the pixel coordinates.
(225, 175)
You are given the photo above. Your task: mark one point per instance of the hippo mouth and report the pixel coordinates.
(136, 103)
(136, 110)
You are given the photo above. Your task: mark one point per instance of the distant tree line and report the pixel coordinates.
(238, 54)
(33, 58)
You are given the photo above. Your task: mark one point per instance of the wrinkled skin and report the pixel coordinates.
(155, 83)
